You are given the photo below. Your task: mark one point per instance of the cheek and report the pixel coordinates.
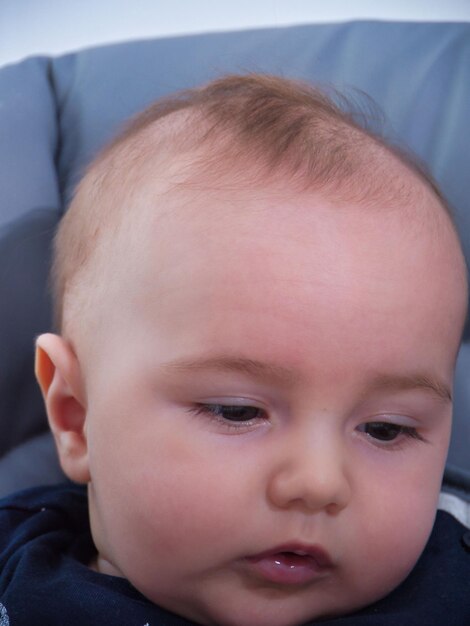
(387, 552)
(393, 517)
(167, 490)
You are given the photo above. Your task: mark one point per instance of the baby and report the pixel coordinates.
(260, 306)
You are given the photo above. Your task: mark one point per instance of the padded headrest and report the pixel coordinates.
(25, 246)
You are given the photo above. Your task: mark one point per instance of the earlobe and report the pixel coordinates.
(59, 376)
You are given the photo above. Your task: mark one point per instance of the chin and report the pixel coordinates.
(259, 616)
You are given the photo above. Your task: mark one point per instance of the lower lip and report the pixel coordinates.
(286, 568)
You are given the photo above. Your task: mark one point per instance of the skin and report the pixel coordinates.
(358, 309)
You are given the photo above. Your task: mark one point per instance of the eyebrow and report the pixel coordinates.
(277, 373)
(250, 367)
(407, 382)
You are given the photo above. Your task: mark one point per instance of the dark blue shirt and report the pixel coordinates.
(45, 545)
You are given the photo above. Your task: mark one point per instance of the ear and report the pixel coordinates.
(59, 376)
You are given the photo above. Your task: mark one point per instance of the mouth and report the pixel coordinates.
(291, 564)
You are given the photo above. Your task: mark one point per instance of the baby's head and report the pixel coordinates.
(260, 308)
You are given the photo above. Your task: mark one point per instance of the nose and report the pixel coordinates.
(310, 473)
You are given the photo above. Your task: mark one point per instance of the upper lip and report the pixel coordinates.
(314, 551)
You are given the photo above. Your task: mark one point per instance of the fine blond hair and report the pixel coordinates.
(262, 126)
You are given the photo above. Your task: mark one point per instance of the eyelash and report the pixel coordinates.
(407, 432)
(214, 411)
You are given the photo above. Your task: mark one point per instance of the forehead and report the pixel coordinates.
(214, 259)
(237, 224)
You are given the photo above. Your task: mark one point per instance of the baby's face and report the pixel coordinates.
(269, 404)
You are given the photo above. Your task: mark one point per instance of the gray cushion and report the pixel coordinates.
(25, 246)
(31, 463)
(28, 139)
(56, 113)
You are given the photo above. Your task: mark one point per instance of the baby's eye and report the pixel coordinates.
(230, 412)
(386, 431)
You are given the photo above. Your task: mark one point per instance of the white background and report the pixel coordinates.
(55, 26)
